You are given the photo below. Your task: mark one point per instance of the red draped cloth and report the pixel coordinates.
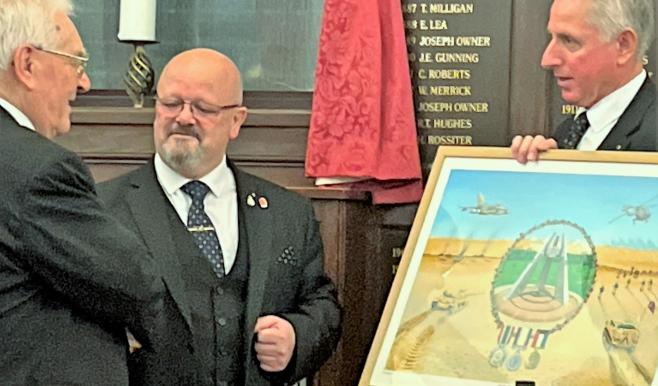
(362, 123)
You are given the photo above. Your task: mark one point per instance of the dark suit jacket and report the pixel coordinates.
(71, 277)
(297, 290)
(636, 128)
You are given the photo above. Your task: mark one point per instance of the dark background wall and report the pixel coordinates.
(274, 43)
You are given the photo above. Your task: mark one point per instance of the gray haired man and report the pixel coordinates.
(71, 277)
(596, 55)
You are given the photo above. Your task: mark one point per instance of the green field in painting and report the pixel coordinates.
(581, 270)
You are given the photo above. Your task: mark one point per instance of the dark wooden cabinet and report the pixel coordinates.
(358, 257)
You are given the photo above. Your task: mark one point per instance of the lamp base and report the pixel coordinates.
(140, 77)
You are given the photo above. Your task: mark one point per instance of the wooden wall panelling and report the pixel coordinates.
(350, 235)
(530, 91)
(359, 241)
(116, 139)
(252, 99)
(124, 130)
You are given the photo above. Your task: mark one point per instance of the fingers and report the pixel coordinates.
(264, 322)
(269, 364)
(275, 342)
(539, 145)
(516, 145)
(523, 148)
(270, 335)
(528, 148)
(272, 357)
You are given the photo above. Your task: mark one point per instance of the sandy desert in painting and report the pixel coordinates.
(456, 339)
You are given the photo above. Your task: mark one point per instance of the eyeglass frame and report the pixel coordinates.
(194, 107)
(81, 61)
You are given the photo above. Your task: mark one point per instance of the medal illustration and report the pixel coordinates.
(514, 361)
(541, 284)
(533, 360)
(497, 356)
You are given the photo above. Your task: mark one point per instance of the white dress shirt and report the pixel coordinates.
(220, 203)
(18, 115)
(604, 115)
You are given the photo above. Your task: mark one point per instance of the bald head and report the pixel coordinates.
(208, 67)
(199, 111)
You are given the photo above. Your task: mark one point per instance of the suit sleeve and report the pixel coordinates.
(318, 317)
(71, 244)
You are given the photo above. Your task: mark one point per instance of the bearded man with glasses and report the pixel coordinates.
(241, 256)
(72, 278)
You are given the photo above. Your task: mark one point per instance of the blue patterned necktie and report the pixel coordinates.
(576, 131)
(199, 224)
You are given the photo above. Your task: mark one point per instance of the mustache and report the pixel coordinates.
(192, 131)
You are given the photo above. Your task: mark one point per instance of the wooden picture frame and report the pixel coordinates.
(544, 272)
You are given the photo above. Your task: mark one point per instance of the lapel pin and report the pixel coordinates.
(250, 199)
(262, 202)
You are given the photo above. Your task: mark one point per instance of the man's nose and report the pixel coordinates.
(550, 59)
(84, 83)
(185, 117)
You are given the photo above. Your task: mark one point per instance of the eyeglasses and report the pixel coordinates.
(80, 62)
(199, 109)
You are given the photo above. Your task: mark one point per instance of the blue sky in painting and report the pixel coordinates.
(531, 198)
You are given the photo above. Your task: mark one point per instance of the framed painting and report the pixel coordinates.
(545, 272)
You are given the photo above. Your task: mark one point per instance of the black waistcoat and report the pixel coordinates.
(217, 307)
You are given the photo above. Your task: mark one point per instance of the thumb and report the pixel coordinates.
(265, 322)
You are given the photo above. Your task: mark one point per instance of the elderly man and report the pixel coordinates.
(71, 277)
(242, 257)
(595, 53)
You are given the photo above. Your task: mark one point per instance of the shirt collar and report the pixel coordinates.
(18, 115)
(219, 179)
(613, 105)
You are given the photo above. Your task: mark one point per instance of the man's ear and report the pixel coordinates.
(627, 46)
(23, 66)
(237, 120)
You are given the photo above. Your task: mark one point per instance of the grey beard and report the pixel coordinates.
(180, 160)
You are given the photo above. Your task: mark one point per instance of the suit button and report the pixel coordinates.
(220, 291)
(221, 322)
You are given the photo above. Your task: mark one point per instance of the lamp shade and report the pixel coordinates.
(137, 20)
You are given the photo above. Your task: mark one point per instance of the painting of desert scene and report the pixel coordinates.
(545, 277)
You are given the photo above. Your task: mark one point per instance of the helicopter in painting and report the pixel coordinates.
(482, 208)
(639, 213)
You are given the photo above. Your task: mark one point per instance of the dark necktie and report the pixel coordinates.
(199, 224)
(576, 131)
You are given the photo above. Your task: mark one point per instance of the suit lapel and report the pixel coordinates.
(257, 222)
(6, 120)
(149, 207)
(630, 121)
